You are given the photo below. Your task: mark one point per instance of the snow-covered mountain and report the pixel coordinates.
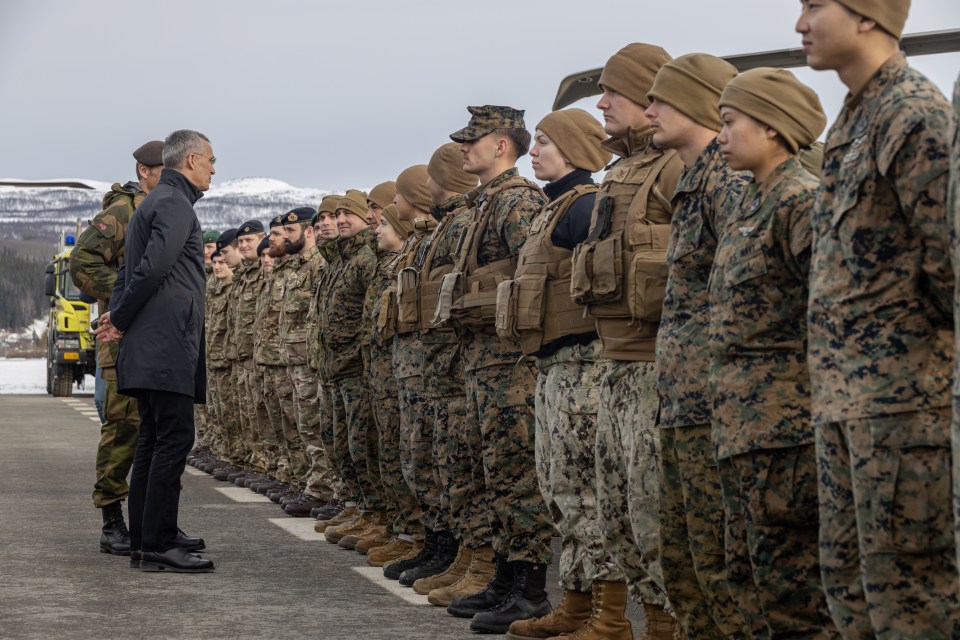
(41, 213)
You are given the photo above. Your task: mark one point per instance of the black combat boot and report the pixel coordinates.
(446, 553)
(430, 543)
(114, 537)
(527, 599)
(496, 592)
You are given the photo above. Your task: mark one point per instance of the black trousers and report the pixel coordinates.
(166, 437)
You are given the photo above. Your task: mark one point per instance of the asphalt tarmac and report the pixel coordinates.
(274, 578)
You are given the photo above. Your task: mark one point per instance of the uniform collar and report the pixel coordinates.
(636, 141)
(887, 72)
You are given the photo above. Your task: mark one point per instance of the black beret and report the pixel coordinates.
(249, 228)
(263, 246)
(150, 154)
(226, 238)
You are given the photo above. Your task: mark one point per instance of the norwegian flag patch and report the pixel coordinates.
(102, 226)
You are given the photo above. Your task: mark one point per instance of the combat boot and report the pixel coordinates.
(327, 511)
(395, 549)
(527, 599)
(395, 569)
(489, 596)
(573, 611)
(444, 556)
(375, 525)
(114, 537)
(352, 528)
(453, 573)
(660, 624)
(224, 472)
(347, 515)
(475, 579)
(373, 537)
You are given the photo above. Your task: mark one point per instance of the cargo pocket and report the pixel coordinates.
(530, 293)
(387, 318)
(598, 271)
(745, 269)
(647, 284)
(582, 272)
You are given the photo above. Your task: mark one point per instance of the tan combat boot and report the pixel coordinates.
(574, 610)
(607, 619)
(375, 536)
(478, 576)
(354, 529)
(391, 552)
(454, 572)
(333, 534)
(347, 515)
(660, 624)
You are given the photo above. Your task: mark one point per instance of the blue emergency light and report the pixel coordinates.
(69, 240)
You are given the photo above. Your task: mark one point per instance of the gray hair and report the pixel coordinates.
(179, 145)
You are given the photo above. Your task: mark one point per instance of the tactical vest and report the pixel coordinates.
(468, 294)
(408, 276)
(387, 324)
(536, 305)
(421, 282)
(620, 270)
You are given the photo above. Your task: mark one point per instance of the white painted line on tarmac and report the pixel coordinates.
(196, 472)
(241, 494)
(300, 527)
(95, 419)
(375, 574)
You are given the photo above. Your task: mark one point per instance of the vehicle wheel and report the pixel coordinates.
(62, 383)
(49, 377)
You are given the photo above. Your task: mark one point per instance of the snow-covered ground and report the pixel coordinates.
(29, 375)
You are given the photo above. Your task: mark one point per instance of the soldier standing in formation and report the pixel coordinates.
(881, 336)
(761, 387)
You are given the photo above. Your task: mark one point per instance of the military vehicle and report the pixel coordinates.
(71, 350)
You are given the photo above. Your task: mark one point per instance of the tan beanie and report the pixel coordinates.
(329, 203)
(354, 201)
(446, 169)
(692, 84)
(383, 194)
(412, 185)
(578, 136)
(630, 71)
(392, 216)
(777, 99)
(891, 15)
(812, 158)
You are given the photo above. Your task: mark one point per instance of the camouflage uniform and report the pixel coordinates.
(881, 342)
(417, 418)
(302, 274)
(633, 203)
(221, 398)
(251, 410)
(500, 383)
(266, 356)
(691, 498)
(379, 314)
(341, 334)
(94, 262)
(456, 437)
(953, 215)
(761, 400)
(201, 427)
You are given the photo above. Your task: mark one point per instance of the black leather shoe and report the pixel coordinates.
(187, 543)
(174, 560)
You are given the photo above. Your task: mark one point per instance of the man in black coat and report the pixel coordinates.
(156, 311)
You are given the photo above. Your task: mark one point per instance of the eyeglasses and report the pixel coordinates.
(212, 159)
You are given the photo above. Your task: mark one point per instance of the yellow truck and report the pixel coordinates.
(71, 350)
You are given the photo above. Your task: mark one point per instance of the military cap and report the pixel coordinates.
(487, 119)
(383, 194)
(354, 201)
(249, 228)
(777, 99)
(300, 214)
(150, 154)
(392, 216)
(412, 185)
(226, 238)
(263, 245)
(692, 85)
(631, 71)
(329, 203)
(210, 236)
(446, 169)
(215, 254)
(891, 15)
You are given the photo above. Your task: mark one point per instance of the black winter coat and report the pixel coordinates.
(158, 298)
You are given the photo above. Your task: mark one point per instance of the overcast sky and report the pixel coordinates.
(336, 94)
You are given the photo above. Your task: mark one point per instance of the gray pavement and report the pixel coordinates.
(269, 582)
